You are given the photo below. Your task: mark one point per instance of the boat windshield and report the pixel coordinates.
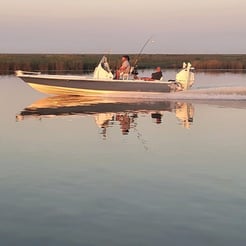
(104, 64)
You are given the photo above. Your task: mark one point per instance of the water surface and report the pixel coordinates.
(164, 172)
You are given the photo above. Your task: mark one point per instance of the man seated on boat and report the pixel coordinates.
(154, 76)
(125, 67)
(157, 75)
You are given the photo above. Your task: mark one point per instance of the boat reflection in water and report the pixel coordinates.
(108, 112)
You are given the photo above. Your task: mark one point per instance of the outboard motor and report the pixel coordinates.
(186, 76)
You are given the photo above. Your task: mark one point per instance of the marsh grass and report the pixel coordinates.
(83, 63)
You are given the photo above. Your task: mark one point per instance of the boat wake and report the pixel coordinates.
(220, 93)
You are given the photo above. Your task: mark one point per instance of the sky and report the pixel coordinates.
(123, 27)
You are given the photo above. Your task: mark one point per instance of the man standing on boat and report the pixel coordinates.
(124, 68)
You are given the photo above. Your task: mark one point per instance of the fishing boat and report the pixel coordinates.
(102, 83)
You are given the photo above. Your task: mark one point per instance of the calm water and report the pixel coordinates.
(168, 172)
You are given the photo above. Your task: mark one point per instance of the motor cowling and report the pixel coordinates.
(186, 76)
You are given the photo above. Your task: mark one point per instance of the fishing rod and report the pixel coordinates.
(141, 50)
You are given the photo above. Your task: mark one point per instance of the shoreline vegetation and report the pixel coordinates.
(85, 63)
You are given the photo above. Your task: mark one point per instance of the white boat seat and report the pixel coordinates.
(132, 69)
(124, 76)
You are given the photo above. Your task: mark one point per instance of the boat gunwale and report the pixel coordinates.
(22, 74)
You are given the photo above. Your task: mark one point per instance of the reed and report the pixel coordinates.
(83, 63)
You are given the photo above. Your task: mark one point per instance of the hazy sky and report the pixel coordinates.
(93, 26)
